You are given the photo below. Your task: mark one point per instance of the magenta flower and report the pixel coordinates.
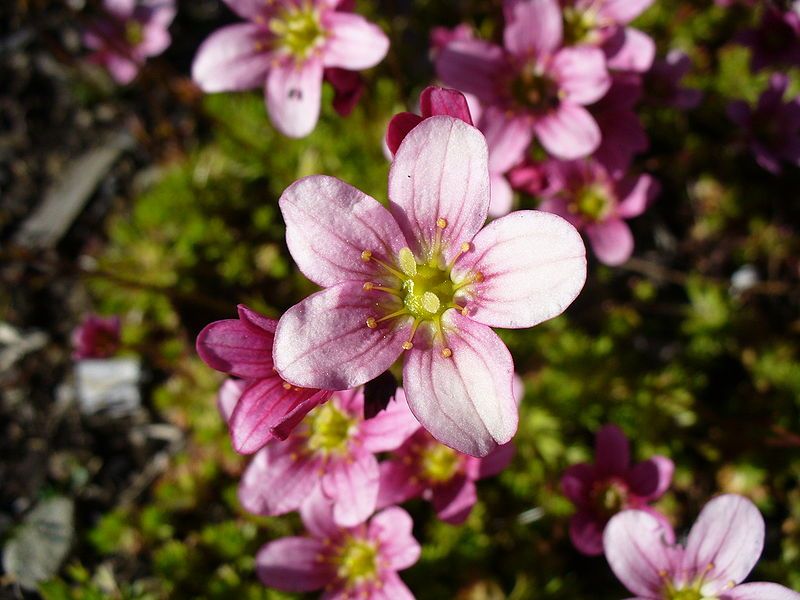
(355, 562)
(663, 82)
(423, 278)
(269, 407)
(424, 467)
(285, 47)
(603, 23)
(348, 87)
(129, 33)
(772, 128)
(533, 84)
(611, 484)
(776, 40)
(584, 193)
(335, 447)
(96, 337)
(722, 548)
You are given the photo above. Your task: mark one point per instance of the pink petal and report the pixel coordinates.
(637, 194)
(760, 591)
(392, 529)
(262, 405)
(440, 172)
(581, 74)
(651, 479)
(398, 483)
(569, 132)
(502, 196)
(121, 68)
(316, 512)
(352, 484)
(472, 66)
(324, 341)
(330, 223)
(454, 500)
(232, 59)
(612, 451)
(257, 320)
(392, 588)
(612, 241)
(286, 424)
(228, 395)
(465, 401)
(353, 42)
(496, 461)
(623, 11)
(390, 428)
(533, 27)
(728, 535)
(278, 479)
(292, 564)
(508, 138)
(294, 93)
(121, 9)
(576, 483)
(634, 51)
(586, 533)
(156, 39)
(398, 129)
(559, 206)
(533, 265)
(237, 347)
(443, 101)
(635, 544)
(249, 9)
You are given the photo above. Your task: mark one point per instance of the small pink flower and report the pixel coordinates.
(269, 407)
(772, 128)
(333, 447)
(603, 23)
(285, 47)
(663, 82)
(96, 337)
(585, 194)
(535, 86)
(129, 32)
(355, 562)
(424, 279)
(611, 484)
(424, 467)
(722, 548)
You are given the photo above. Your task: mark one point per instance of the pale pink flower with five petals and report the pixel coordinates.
(722, 548)
(285, 47)
(423, 278)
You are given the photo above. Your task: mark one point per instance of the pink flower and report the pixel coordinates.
(663, 81)
(722, 548)
(269, 407)
(603, 23)
(355, 562)
(423, 278)
(776, 40)
(611, 484)
(424, 467)
(773, 127)
(584, 193)
(348, 87)
(129, 32)
(334, 447)
(533, 84)
(96, 337)
(285, 47)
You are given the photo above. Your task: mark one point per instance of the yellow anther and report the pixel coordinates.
(441, 223)
(287, 385)
(446, 353)
(366, 255)
(465, 247)
(372, 323)
(407, 262)
(407, 345)
(478, 277)
(431, 302)
(465, 311)
(368, 286)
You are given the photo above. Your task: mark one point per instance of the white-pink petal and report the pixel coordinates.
(568, 132)
(392, 529)
(634, 51)
(232, 59)
(581, 74)
(292, 564)
(622, 11)
(534, 28)
(294, 93)
(761, 591)
(353, 42)
(352, 484)
(612, 241)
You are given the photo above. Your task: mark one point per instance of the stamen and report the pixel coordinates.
(287, 385)
(431, 302)
(409, 343)
(369, 286)
(465, 247)
(446, 353)
(367, 256)
(407, 262)
(372, 323)
(441, 225)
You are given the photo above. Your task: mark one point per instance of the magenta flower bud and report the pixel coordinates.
(96, 337)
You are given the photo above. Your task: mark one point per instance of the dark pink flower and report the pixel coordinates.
(663, 82)
(609, 485)
(348, 87)
(535, 86)
(269, 407)
(584, 193)
(722, 548)
(354, 562)
(284, 48)
(424, 280)
(334, 447)
(96, 337)
(424, 467)
(129, 33)
(772, 128)
(603, 23)
(776, 40)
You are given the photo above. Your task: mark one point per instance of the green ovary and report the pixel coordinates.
(358, 561)
(330, 429)
(685, 594)
(134, 33)
(298, 30)
(428, 293)
(578, 26)
(439, 463)
(593, 203)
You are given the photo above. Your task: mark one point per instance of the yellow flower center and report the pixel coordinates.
(593, 203)
(533, 90)
(134, 33)
(438, 463)
(329, 429)
(579, 26)
(609, 498)
(298, 30)
(358, 561)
